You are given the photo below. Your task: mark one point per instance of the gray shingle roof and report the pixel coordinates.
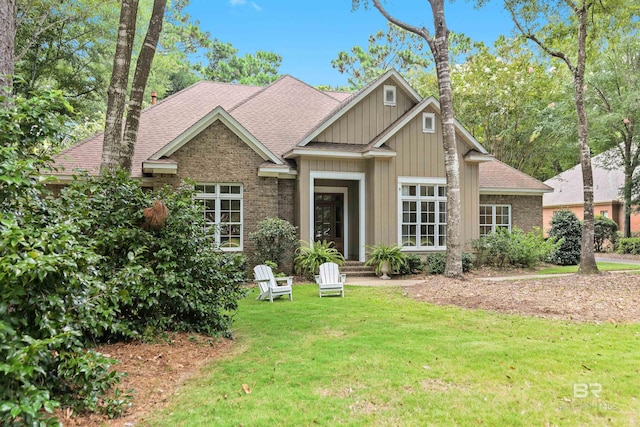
(568, 190)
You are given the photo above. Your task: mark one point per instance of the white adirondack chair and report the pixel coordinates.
(330, 281)
(268, 283)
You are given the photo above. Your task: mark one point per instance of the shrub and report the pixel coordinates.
(566, 227)
(390, 253)
(310, 257)
(414, 265)
(513, 248)
(80, 269)
(48, 281)
(630, 245)
(168, 279)
(437, 262)
(274, 240)
(604, 229)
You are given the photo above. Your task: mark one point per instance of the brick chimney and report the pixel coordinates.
(154, 98)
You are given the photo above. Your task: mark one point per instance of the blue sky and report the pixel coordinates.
(309, 34)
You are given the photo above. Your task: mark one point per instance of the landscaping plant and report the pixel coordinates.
(309, 257)
(514, 248)
(80, 269)
(605, 229)
(567, 228)
(436, 262)
(274, 240)
(381, 252)
(629, 246)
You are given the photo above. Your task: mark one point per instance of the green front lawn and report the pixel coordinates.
(602, 266)
(379, 358)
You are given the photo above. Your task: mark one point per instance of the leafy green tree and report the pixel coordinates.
(400, 49)
(225, 65)
(7, 42)
(395, 48)
(505, 96)
(538, 21)
(615, 97)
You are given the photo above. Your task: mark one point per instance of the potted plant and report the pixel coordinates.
(386, 258)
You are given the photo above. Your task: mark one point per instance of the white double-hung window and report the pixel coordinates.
(493, 218)
(423, 213)
(222, 209)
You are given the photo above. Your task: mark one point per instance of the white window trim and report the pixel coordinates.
(407, 180)
(347, 176)
(426, 129)
(384, 94)
(218, 197)
(493, 217)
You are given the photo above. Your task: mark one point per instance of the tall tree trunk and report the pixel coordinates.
(627, 190)
(7, 45)
(143, 67)
(587, 255)
(113, 142)
(439, 45)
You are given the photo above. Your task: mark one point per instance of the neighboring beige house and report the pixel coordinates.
(568, 193)
(356, 169)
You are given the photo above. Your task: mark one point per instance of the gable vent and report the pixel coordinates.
(390, 95)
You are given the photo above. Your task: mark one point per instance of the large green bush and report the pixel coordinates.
(79, 269)
(630, 245)
(274, 240)
(513, 248)
(173, 278)
(567, 228)
(604, 229)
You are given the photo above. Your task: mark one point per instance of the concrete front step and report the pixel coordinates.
(356, 269)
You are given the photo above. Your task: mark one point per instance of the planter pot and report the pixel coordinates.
(384, 269)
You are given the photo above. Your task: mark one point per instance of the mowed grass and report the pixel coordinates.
(602, 266)
(379, 358)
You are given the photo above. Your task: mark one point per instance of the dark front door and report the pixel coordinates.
(329, 219)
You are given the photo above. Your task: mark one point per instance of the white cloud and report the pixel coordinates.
(253, 4)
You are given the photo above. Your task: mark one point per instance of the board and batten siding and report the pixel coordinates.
(419, 155)
(367, 119)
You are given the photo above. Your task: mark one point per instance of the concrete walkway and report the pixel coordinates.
(375, 281)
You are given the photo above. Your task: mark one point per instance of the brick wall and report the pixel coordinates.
(526, 211)
(217, 155)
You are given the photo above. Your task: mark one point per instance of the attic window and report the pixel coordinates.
(428, 122)
(390, 96)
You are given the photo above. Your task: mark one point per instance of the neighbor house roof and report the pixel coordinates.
(568, 189)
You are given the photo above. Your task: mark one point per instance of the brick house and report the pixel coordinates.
(354, 168)
(608, 180)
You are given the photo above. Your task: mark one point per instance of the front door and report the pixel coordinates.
(329, 219)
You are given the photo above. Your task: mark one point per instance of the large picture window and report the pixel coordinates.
(423, 211)
(494, 217)
(222, 208)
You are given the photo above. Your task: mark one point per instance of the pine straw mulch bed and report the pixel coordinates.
(606, 297)
(156, 371)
